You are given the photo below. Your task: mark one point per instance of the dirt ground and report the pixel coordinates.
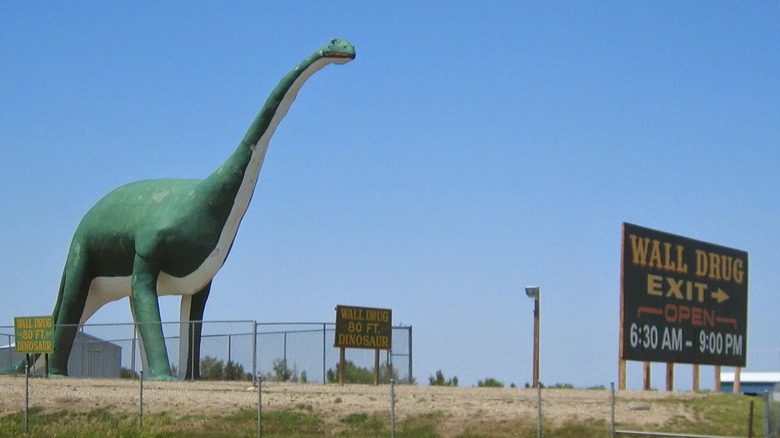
(460, 405)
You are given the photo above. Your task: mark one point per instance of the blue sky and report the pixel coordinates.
(471, 149)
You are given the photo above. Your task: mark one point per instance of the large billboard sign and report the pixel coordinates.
(682, 300)
(364, 327)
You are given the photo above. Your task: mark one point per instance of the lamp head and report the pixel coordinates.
(532, 292)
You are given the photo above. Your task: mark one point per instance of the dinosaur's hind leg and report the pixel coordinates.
(192, 308)
(70, 308)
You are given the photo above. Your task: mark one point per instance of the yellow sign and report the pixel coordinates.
(34, 334)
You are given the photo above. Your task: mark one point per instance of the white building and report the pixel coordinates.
(750, 382)
(90, 357)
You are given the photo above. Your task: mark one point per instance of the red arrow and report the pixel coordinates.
(651, 310)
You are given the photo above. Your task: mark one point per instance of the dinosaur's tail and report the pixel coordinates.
(61, 292)
(18, 368)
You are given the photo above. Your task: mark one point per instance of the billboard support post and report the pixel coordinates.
(342, 364)
(376, 367)
(717, 378)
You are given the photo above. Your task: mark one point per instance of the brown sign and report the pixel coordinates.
(364, 327)
(682, 300)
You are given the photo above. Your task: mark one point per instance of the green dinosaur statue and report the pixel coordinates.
(170, 236)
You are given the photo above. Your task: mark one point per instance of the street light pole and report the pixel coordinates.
(533, 292)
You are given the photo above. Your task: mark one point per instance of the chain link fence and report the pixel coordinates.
(294, 351)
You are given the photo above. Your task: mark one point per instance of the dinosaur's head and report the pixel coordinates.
(338, 51)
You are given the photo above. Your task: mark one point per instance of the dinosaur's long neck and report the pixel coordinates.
(231, 186)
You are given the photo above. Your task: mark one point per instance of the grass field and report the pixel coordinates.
(75, 408)
(719, 414)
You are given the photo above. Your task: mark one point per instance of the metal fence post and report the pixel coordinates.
(26, 392)
(389, 360)
(769, 422)
(82, 372)
(324, 381)
(254, 352)
(259, 406)
(392, 408)
(191, 349)
(612, 408)
(141, 399)
(284, 357)
(132, 348)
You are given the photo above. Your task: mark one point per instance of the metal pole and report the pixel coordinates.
(259, 406)
(230, 340)
(767, 414)
(612, 405)
(645, 434)
(538, 410)
(390, 370)
(750, 421)
(254, 352)
(82, 344)
(284, 359)
(392, 408)
(132, 348)
(141, 400)
(26, 391)
(192, 351)
(324, 381)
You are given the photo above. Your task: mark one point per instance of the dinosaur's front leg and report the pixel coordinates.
(147, 313)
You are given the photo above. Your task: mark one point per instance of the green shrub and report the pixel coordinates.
(439, 380)
(490, 383)
(360, 375)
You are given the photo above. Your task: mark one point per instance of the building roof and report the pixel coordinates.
(752, 377)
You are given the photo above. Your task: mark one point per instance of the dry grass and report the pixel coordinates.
(456, 412)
